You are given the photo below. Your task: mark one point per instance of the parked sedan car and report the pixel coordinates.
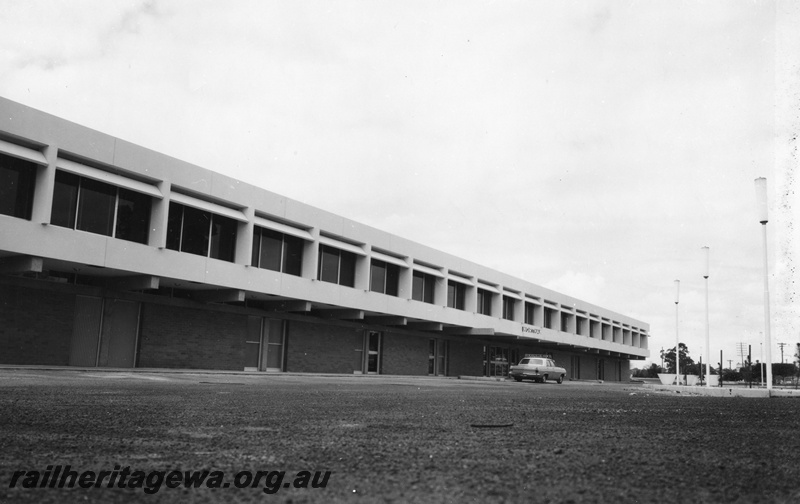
(538, 369)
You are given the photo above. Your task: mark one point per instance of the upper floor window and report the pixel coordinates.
(484, 302)
(200, 232)
(549, 317)
(277, 251)
(529, 313)
(456, 293)
(508, 308)
(579, 325)
(565, 322)
(384, 277)
(90, 205)
(337, 266)
(422, 287)
(17, 181)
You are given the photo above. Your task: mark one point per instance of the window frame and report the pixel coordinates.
(207, 239)
(509, 307)
(388, 275)
(24, 188)
(345, 264)
(71, 191)
(290, 247)
(427, 287)
(456, 295)
(484, 305)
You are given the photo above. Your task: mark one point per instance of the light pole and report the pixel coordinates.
(708, 345)
(677, 337)
(761, 204)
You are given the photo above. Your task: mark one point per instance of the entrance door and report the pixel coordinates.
(575, 367)
(275, 340)
(497, 361)
(252, 344)
(86, 331)
(437, 357)
(601, 369)
(120, 331)
(264, 344)
(372, 352)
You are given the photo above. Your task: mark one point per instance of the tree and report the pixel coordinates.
(731, 375)
(648, 372)
(781, 372)
(684, 359)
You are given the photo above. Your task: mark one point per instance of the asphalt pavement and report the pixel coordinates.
(385, 439)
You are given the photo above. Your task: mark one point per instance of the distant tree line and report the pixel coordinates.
(750, 371)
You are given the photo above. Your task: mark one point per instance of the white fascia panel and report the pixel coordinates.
(389, 259)
(283, 228)
(490, 288)
(21, 152)
(349, 247)
(207, 206)
(461, 280)
(108, 177)
(429, 271)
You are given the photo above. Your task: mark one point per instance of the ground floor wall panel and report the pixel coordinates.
(404, 354)
(318, 348)
(466, 358)
(46, 323)
(35, 325)
(179, 337)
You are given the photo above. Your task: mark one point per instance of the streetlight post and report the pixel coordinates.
(677, 337)
(708, 345)
(761, 204)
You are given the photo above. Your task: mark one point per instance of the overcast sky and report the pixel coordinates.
(589, 147)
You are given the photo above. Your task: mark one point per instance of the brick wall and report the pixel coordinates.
(319, 348)
(405, 355)
(35, 325)
(466, 358)
(179, 337)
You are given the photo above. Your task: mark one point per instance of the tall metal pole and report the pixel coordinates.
(761, 200)
(708, 345)
(677, 337)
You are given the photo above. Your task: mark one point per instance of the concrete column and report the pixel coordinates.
(362, 272)
(404, 282)
(440, 291)
(244, 239)
(45, 184)
(497, 304)
(311, 256)
(471, 298)
(159, 214)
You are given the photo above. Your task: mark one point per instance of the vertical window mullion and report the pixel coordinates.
(210, 233)
(116, 209)
(283, 253)
(180, 240)
(339, 268)
(77, 204)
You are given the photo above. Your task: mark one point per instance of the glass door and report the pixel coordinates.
(372, 345)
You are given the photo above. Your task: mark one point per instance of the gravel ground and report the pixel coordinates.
(395, 439)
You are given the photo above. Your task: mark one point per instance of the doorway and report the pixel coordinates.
(265, 344)
(437, 357)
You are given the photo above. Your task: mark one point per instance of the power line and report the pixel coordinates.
(782, 345)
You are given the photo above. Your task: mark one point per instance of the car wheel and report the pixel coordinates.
(560, 380)
(517, 378)
(544, 379)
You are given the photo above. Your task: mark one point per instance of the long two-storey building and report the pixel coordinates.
(113, 255)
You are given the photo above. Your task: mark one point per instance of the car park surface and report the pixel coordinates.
(398, 439)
